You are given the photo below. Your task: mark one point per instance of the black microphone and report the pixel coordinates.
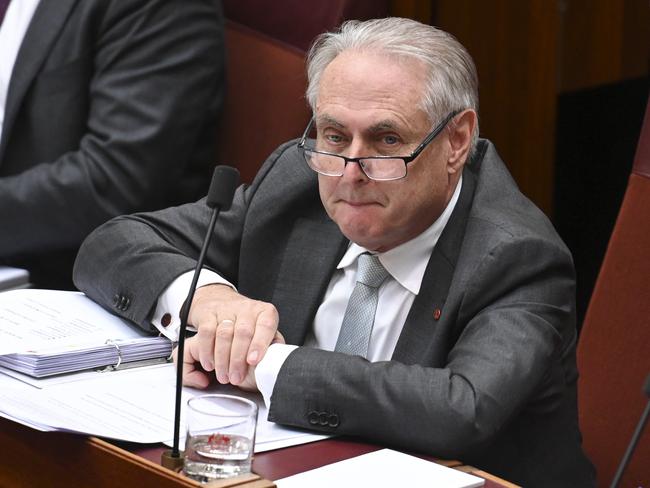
(635, 437)
(222, 189)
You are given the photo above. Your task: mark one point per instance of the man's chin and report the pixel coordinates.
(364, 238)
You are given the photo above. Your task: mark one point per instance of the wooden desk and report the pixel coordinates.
(33, 459)
(29, 458)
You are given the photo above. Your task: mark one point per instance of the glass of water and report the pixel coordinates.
(220, 437)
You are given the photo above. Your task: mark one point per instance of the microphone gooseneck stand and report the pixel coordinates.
(635, 438)
(220, 195)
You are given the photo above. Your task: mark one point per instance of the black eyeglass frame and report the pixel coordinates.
(407, 159)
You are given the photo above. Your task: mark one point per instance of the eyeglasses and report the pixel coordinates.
(380, 168)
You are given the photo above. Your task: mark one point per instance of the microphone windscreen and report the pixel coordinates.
(222, 188)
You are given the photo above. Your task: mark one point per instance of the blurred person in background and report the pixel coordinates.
(107, 107)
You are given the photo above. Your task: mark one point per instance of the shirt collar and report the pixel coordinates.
(407, 262)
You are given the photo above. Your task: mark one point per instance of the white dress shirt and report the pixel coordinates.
(12, 32)
(405, 264)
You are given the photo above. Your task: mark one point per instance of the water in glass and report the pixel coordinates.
(215, 456)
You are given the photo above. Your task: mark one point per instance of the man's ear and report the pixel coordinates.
(460, 128)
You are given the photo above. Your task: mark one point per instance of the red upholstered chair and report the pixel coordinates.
(297, 22)
(266, 44)
(614, 346)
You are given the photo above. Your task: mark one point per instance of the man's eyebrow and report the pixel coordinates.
(328, 120)
(382, 125)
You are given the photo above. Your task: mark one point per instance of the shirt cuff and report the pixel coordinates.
(166, 316)
(267, 370)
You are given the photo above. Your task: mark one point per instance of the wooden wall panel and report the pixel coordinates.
(602, 42)
(514, 46)
(420, 10)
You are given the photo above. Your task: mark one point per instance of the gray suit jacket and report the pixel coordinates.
(111, 109)
(491, 380)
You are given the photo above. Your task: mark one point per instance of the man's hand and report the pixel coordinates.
(234, 333)
(196, 377)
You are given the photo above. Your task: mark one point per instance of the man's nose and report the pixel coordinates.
(353, 171)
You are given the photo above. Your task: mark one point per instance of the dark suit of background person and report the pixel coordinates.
(111, 109)
(496, 394)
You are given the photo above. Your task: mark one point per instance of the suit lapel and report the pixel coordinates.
(428, 306)
(314, 249)
(49, 18)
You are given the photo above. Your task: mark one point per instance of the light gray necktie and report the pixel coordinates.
(360, 314)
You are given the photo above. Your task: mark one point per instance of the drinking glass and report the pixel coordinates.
(220, 437)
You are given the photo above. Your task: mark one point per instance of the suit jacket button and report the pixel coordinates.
(333, 420)
(126, 303)
(116, 300)
(312, 417)
(322, 418)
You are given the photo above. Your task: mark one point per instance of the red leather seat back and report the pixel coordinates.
(297, 22)
(614, 346)
(265, 103)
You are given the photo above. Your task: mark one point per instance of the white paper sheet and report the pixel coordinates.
(135, 406)
(382, 469)
(71, 378)
(33, 319)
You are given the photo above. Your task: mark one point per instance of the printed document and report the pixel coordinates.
(32, 319)
(382, 469)
(135, 405)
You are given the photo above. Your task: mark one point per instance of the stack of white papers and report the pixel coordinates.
(114, 354)
(382, 469)
(47, 332)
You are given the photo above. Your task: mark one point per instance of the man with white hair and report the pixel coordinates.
(385, 279)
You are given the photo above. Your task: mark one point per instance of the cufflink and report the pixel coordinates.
(166, 319)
